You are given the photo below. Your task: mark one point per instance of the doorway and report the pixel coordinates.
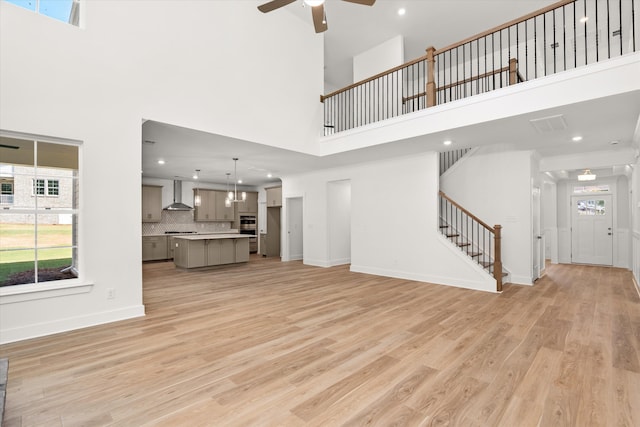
(591, 229)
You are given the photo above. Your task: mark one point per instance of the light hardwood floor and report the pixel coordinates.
(283, 344)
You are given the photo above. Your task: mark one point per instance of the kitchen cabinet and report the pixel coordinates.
(272, 238)
(210, 250)
(251, 204)
(274, 197)
(222, 212)
(212, 206)
(241, 250)
(220, 251)
(151, 203)
(190, 254)
(154, 248)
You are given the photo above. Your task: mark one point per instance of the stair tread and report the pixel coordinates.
(453, 235)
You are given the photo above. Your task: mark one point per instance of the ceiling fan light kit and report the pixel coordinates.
(317, 10)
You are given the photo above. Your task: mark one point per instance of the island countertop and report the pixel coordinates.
(213, 236)
(204, 250)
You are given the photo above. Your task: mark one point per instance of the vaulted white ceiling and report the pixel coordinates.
(354, 29)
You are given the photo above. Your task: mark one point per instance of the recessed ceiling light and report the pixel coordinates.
(584, 19)
(239, 181)
(402, 11)
(614, 142)
(161, 162)
(269, 175)
(448, 142)
(576, 138)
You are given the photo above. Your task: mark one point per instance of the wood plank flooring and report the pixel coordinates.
(283, 344)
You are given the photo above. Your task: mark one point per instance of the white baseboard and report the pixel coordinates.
(342, 261)
(69, 324)
(316, 262)
(486, 286)
(521, 280)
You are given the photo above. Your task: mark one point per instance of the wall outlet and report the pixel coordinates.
(111, 293)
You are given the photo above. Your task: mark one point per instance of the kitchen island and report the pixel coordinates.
(204, 250)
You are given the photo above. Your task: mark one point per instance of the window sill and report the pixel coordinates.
(30, 292)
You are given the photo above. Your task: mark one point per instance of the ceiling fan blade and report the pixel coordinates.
(319, 20)
(363, 2)
(273, 5)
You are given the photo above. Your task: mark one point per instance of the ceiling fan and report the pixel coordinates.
(317, 10)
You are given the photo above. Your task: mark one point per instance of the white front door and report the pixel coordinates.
(591, 229)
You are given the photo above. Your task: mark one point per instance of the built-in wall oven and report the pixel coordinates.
(248, 225)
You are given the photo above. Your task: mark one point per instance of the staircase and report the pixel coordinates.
(478, 240)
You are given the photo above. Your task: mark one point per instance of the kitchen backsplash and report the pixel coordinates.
(182, 221)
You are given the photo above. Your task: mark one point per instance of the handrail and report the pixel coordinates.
(377, 76)
(482, 223)
(547, 41)
(470, 239)
(452, 46)
(461, 82)
(506, 25)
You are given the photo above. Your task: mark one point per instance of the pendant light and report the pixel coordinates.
(232, 196)
(227, 200)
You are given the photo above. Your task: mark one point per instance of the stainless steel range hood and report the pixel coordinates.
(177, 204)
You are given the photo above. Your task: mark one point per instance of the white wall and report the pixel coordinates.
(339, 221)
(495, 185)
(378, 59)
(635, 212)
(385, 239)
(191, 63)
(550, 220)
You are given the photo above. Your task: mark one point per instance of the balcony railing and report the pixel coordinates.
(6, 199)
(563, 36)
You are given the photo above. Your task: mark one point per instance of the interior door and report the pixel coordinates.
(294, 228)
(591, 229)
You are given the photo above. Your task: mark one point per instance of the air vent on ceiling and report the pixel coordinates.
(549, 124)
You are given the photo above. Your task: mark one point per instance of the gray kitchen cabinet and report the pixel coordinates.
(274, 197)
(272, 238)
(212, 206)
(206, 209)
(204, 251)
(190, 254)
(151, 203)
(251, 204)
(154, 248)
(222, 212)
(221, 251)
(241, 247)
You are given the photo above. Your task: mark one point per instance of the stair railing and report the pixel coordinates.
(449, 158)
(563, 36)
(479, 241)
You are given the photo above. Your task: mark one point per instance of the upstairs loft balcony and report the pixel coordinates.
(564, 36)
